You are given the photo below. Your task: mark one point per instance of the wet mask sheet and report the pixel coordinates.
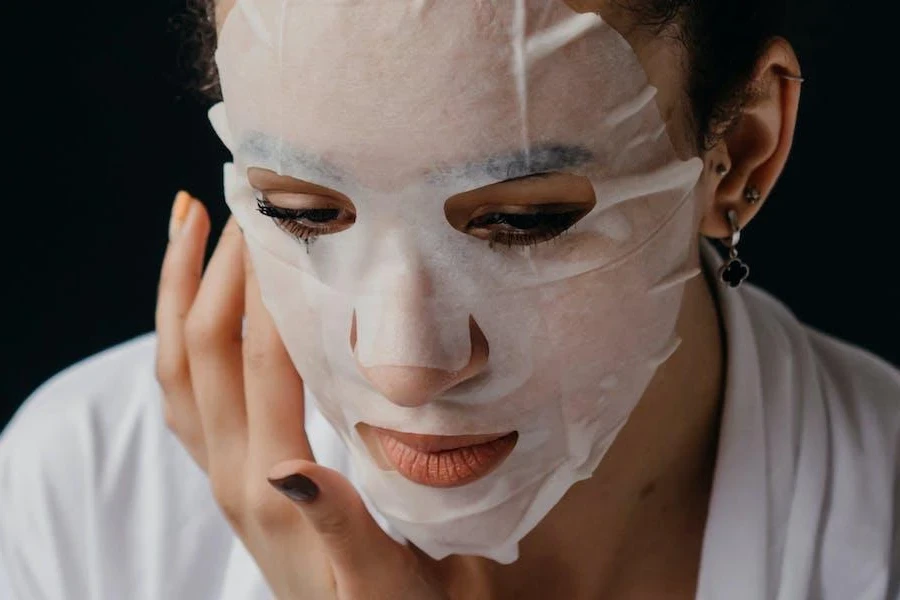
(399, 106)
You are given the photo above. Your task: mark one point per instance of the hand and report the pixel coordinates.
(236, 403)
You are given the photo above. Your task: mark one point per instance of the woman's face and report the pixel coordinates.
(466, 234)
(439, 118)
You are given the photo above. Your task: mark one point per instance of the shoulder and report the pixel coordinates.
(832, 417)
(860, 390)
(85, 464)
(91, 382)
(83, 414)
(78, 410)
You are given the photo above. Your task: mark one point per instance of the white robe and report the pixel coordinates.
(99, 500)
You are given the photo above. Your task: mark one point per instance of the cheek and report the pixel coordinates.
(297, 304)
(606, 318)
(605, 334)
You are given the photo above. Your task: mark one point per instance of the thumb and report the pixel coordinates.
(354, 542)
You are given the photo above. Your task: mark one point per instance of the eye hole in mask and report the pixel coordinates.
(522, 225)
(522, 211)
(513, 228)
(515, 212)
(306, 224)
(301, 209)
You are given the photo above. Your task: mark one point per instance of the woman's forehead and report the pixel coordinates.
(402, 89)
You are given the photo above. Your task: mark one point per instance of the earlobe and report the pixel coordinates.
(758, 144)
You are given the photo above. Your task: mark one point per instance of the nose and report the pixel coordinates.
(415, 386)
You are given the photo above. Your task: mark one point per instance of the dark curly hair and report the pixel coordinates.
(723, 40)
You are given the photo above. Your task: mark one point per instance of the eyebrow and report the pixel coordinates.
(519, 164)
(259, 147)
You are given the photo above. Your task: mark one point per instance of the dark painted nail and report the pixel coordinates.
(296, 487)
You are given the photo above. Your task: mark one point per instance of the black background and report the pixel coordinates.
(101, 132)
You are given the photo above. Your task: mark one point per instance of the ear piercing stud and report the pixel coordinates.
(752, 194)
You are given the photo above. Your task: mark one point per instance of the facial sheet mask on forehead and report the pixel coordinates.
(399, 105)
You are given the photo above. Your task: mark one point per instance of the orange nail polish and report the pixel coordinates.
(180, 209)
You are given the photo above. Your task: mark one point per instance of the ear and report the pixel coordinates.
(756, 148)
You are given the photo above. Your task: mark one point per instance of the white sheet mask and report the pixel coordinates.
(399, 105)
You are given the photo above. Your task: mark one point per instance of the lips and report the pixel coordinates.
(444, 461)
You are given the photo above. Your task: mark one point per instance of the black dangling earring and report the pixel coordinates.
(735, 271)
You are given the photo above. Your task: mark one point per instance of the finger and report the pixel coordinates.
(275, 409)
(358, 548)
(178, 283)
(213, 334)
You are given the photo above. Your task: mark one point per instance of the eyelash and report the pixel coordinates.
(550, 225)
(289, 219)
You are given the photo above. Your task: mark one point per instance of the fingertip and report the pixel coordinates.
(334, 508)
(198, 217)
(298, 479)
(331, 486)
(297, 487)
(188, 217)
(179, 213)
(188, 233)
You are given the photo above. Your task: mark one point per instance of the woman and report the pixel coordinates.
(475, 231)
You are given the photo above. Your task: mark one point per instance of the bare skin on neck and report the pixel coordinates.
(635, 529)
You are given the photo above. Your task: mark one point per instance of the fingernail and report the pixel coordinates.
(296, 487)
(180, 209)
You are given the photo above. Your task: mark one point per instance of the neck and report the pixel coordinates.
(635, 528)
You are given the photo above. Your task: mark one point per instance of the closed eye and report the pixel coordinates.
(522, 211)
(306, 224)
(537, 225)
